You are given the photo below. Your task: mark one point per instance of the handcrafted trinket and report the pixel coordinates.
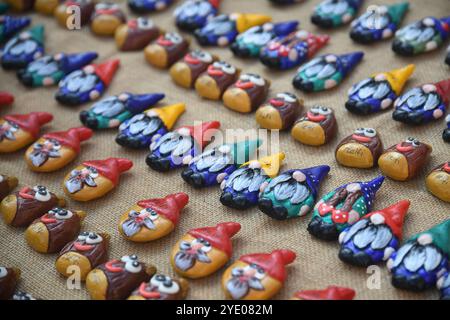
(247, 93)
(117, 279)
(46, 7)
(49, 70)
(22, 296)
(106, 18)
(421, 36)
(9, 25)
(378, 23)
(7, 184)
(152, 219)
(136, 34)
(334, 13)
(422, 104)
(326, 72)
(168, 49)
(249, 43)
(316, 127)
(292, 193)
(223, 29)
(186, 71)
(212, 83)
(9, 277)
(143, 128)
(19, 130)
(51, 232)
(23, 48)
(212, 166)
(86, 252)
(55, 150)
(203, 251)
(280, 112)
(161, 287)
(342, 207)
(360, 149)
(176, 149)
(93, 179)
(438, 181)
(446, 133)
(240, 190)
(405, 160)
(286, 52)
(147, 6)
(443, 284)
(194, 14)
(21, 5)
(257, 276)
(422, 259)
(64, 12)
(110, 112)
(378, 92)
(6, 98)
(21, 208)
(330, 293)
(374, 237)
(86, 84)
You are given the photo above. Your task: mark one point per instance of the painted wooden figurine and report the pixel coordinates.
(443, 284)
(326, 72)
(49, 70)
(378, 92)
(86, 252)
(20, 5)
(46, 7)
(176, 149)
(21, 208)
(360, 149)
(374, 237)
(161, 287)
(19, 130)
(117, 279)
(148, 6)
(6, 98)
(106, 18)
(257, 276)
(292, 193)
(342, 207)
(9, 277)
(422, 259)
(194, 14)
(144, 128)
(10, 25)
(241, 189)
(405, 160)
(438, 181)
(110, 112)
(136, 34)
(93, 179)
(334, 13)
(64, 11)
(86, 84)
(446, 133)
(279, 112)
(55, 150)
(23, 48)
(330, 293)
(186, 71)
(7, 184)
(316, 127)
(203, 251)
(168, 49)
(152, 219)
(212, 83)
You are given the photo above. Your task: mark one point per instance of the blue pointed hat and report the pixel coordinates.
(75, 61)
(13, 24)
(314, 176)
(139, 102)
(350, 60)
(284, 28)
(369, 190)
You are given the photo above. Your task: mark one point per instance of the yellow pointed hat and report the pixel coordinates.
(245, 21)
(398, 77)
(270, 164)
(168, 114)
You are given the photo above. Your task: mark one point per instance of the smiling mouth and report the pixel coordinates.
(148, 294)
(191, 60)
(25, 193)
(82, 247)
(215, 72)
(244, 84)
(165, 42)
(361, 138)
(110, 266)
(47, 220)
(400, 147)
(316, 118)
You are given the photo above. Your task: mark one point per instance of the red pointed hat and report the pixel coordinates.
(71, 138)
(30, 122)
(316, 42)
(169, 206)
(443, 88)
(110, 168)
(394, 216)
(219, 236)
(330, 293)
(6, 98)
(106, 70)
(201, 133)
(273, 263)
(215, 3)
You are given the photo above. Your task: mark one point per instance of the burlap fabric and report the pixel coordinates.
(317, 264)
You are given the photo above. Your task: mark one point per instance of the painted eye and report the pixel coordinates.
(359, 131)
(174, 37)
(157, 279)
(3, 272)
(244, 77)
(324, 111)
(205, 57)
(83, 236)
(260, 273)
(153, 215)
(228, 68)
(56, 145)
(416, 143)
(144, 23)
(133, 266)
(206, 246)
(370, 132)
(129, 258)
(133, 214)
(41, 194)
(13, 127)
(288, 97)
(63, 214)
(169, 286)
(258, 80)
(93, 172)
(410, 140)
(93, 238)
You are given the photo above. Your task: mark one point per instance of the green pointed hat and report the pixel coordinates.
(37, 33)
(242, 151)
(397, 11)
(439, 235)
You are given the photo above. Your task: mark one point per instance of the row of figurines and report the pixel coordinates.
(366, 238)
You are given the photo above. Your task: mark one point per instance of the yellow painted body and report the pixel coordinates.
(22, 139)
(105, 25)
(97, 284)
(46, 6)
(268, 117)
(156, 56)
(438, 183)
(73, 259)
(354, 155)
(394, 165)
(37, 237)
(237, 99)
(181, 74)
(309, 133)
(8, 208)
(207, 88)
(52, 164)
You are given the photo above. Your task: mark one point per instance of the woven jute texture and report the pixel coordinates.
(317, 264)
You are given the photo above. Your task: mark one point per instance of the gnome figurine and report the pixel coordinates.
(93, 179)
(257, 276)
(7, 184)
(212, 166)
(194, 14)
(49, 70)
(343, 207)
(19, 130)
(203, 251)
(330, 293)
(335, 13)
(55, 150)
(148, 6)
(374, 237)
(378, 92)
(110, 112)
(443, 284)
(9, 25)
(6, 98)
(418, 264)
(438, 181)
(292, 193)
(446, 133)
(86, 84)
(152, 219)
(176, 149)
